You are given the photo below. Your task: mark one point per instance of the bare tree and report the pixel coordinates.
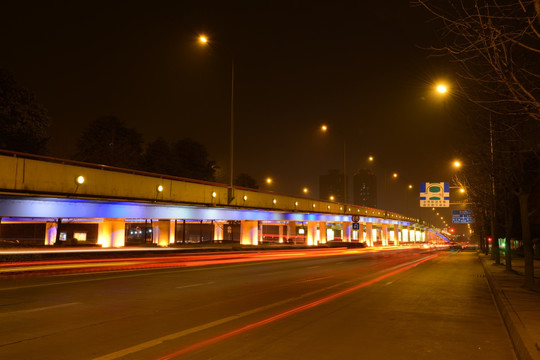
(496, 47)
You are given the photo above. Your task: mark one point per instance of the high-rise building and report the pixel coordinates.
(331, 184)
(365, 188)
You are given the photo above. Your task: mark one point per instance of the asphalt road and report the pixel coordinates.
(347, 304)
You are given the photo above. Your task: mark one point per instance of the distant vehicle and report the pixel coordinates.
(455, 247)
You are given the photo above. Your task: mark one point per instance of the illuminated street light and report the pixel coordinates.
(305, 190)
(441, 89)
(370, 159)
(395, 175)
(324, 128)
(457, 164)
(80, 180)
(203, 39)
(332, 197)
(269, 181)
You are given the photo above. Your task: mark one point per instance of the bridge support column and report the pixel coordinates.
(280, 234)
(260, 233)
(218, 232)
(112, 233)
(311, 233)
(249, 232)
(423, 235)
(323, 235)
(384, 235)
(347, 228)
(50, 232)
(291, 231)
(412, 234)
(397, 235)
(405, 234)
(162, 232)
(369, 234)
(172, 232)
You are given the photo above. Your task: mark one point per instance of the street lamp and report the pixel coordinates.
(204, 41)
(324, 128)
(441, 88)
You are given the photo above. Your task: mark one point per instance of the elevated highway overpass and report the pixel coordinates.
(51, 201)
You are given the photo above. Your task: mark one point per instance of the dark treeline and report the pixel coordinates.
(107, 140)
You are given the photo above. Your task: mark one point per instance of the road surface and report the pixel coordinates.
(305, 304)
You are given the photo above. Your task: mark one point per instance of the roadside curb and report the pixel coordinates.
(524, 345)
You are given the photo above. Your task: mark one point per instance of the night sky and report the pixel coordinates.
(357, 66)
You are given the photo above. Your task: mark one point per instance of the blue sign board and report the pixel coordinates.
(355, 226)
(462, 216)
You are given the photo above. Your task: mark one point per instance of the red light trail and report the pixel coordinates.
(293, 311)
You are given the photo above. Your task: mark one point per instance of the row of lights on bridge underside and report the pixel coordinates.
(159, 188)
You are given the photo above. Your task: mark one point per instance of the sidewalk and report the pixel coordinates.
(519, 308)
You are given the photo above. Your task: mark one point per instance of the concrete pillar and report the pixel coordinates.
(397, 234)
(218, 231)
(249, 230)
(51, 227)
(280, 234)
(311, 233)
(405, 234)
(162, 232)
(172, 231)
(384, 235)
(291, 231)
(347, 228)
(369, 234)
(323, 232)
(112, 233)
(412, 235)
(260, 234)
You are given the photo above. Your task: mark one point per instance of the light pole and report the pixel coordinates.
(324, 128)
(230, 193)
(394, 176)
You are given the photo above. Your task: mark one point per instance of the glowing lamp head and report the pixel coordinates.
(394, 175)
(245, 197)
(159, 188)
(214, 194)
(442, 89)
(370, 158)
(332, 197)
(324, 128)
(269, 181)
(203, 39)
(80, 180)
(305, 190)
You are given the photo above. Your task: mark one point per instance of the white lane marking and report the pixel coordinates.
(154, 342)
(37, 309)
(194, 285)
(314, 279)
(179, 334)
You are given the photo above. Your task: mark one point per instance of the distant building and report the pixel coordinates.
(331, 184)
(365, 188)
